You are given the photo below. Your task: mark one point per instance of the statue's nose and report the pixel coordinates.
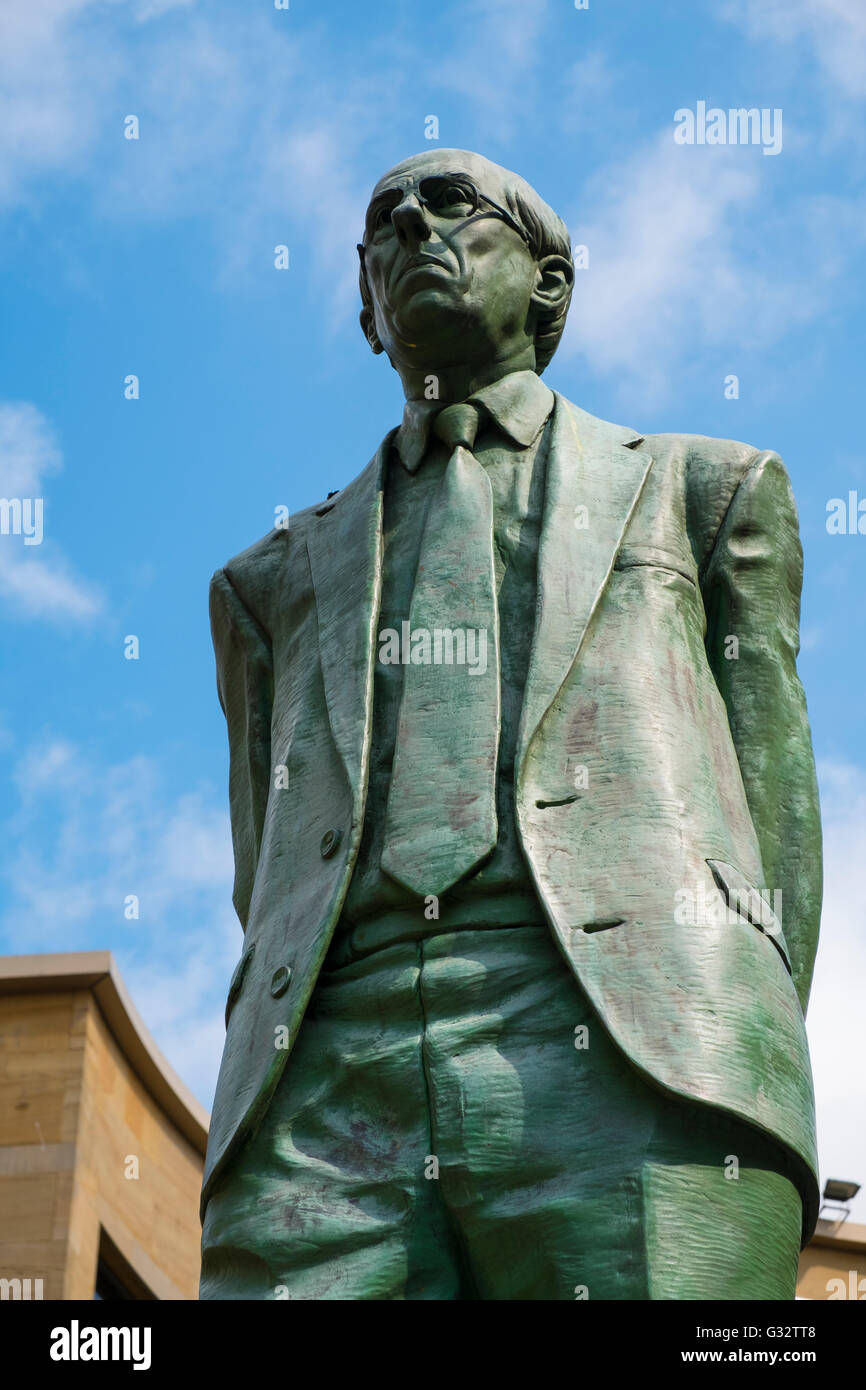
(409, 222)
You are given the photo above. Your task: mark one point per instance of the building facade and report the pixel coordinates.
(101, 1145)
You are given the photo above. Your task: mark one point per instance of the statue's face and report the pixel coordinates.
(449, 271)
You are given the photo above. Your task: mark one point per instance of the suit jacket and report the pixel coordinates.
(699, 771)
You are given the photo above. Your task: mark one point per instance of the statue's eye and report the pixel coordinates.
(452, 197)
(382, 219)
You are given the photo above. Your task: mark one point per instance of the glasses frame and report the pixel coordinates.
(496, 210)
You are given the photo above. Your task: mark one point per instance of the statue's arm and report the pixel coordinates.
(751, 587)
(245, 684)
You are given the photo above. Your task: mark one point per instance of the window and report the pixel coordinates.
(115, 1277)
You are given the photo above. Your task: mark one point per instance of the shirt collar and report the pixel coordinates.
(518, 404)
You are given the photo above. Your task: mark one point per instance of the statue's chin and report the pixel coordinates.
(430, 320)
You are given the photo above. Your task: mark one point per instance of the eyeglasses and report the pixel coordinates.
(447, 196)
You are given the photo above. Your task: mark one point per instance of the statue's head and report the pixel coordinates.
(462, 262)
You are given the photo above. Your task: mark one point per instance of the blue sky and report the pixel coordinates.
(155, 257)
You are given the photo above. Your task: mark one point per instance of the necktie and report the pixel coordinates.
(441, 817)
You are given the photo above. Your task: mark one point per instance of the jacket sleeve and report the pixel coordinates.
(245, 685)
(751, 589)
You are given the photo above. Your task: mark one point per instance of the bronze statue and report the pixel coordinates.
(522, 792)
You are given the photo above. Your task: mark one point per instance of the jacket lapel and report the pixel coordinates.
(593, 484)
(588, 468)
(344, 543)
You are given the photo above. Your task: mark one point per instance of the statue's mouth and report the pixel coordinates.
(422, 263)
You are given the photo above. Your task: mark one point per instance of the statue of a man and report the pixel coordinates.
(521, 789)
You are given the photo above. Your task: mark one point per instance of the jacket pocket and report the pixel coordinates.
(748, 903)
(652, 557)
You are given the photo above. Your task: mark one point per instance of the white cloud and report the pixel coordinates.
(684, 257)
(836, 1006)
(661, 265)
(64, 66)
(36, 579)
(28, 450)
(243, 124)
(235, 125)
(494, 61)
(82, 838)
(182, 1005)
(108, 831)
(587, 87)
(313, 164)
(52, 84)
(240, 121)
(833, 32)
(154, 9)
(45, 587)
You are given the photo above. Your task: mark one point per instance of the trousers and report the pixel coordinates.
(454, 1122)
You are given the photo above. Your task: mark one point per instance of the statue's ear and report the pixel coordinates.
(368, 324)
(368, 321)
(553, 285)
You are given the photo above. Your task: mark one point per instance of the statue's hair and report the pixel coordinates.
(547, 235)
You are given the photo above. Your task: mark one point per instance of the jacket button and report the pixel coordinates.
(280, 981)
(330, 841)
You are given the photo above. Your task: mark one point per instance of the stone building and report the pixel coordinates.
(101, 1145)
